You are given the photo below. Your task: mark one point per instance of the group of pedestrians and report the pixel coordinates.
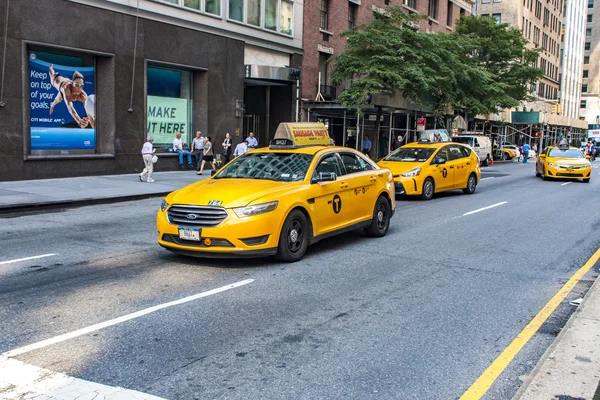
(202, 149)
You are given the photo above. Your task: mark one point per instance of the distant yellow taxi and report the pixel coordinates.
(280, 199)
(563, 161)
(424, 168)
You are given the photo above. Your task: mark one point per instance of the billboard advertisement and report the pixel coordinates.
(166, 117)
(62, 106)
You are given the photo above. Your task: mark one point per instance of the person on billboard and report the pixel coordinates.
(70, 90)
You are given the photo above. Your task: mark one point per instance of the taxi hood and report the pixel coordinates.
(400, 167)
(568, 161)
(228, 193)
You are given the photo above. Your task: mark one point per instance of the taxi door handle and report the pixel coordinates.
(373, 179)
(452, 166)
(343, 185)
(468, 163)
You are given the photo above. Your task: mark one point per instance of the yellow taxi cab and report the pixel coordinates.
(425, 167)
(563, 161)
(279, 199)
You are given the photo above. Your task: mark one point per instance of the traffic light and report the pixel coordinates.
(556, 108)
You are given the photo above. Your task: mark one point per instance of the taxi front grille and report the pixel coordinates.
(572, 166)
(570, 175)
(213, 242)
(200, 216)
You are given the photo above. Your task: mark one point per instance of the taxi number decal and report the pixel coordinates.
(336, 204)
(358, 191)
(444, 172)
(215, 203)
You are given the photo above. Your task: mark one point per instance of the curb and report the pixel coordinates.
(53, 205)
(540, 365)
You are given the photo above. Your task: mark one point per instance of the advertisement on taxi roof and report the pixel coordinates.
(309, 133)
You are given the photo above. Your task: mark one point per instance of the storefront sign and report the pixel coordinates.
(166, 117)
(62, 106)
(421, 124)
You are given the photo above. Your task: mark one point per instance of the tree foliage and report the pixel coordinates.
(480, 67)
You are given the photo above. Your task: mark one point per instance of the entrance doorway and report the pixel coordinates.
(252, 123)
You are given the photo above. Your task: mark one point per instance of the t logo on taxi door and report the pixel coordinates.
(444, 172)
(337, 204)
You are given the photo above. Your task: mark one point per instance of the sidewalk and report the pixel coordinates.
(51, 193)
(570, 368)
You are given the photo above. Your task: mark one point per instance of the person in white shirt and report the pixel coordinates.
(178, 148)
(198, 148)
(240, 149)
(147, 153)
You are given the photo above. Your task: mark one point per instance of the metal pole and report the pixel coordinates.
(344, 130)
(309, 115)
(297, 98)
(4, 56)
(390, 136)
(362, 133)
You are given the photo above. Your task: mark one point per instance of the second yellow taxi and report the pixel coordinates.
(280, 199)
(424, 168)
(563, 161)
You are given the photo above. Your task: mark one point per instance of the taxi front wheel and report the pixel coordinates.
(294, 236)
(380, 222)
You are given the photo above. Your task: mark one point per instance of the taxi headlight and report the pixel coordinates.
(551, 164)
(164, 205)
(412, 172)
(254, 210)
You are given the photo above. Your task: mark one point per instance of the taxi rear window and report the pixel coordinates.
(411, 154)
(281, 167)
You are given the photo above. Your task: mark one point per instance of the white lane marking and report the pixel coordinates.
(27, 258)
(489, 177)
(485, 208)
(566, 183)
(24, 381)
(115, 321)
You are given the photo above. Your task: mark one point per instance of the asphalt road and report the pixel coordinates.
(418, 314)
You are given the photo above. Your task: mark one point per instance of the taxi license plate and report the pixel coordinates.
(189, 234)
(569, 169)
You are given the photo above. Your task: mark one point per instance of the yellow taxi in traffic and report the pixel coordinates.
(424, 168)
(280, 199)
(563, 161)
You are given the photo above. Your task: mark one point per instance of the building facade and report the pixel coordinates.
(590, 87)
(573, 59)
(87, 80)
(324, 21)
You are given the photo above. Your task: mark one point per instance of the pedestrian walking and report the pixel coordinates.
(366, 146)
(208, 155)
(240, 149)
(226, 148)
(198, 149)
(525, 153)
(147, 154)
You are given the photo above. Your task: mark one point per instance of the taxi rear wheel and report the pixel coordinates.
(381, 218)
(428, 189)
(294, 236)
(471, 185)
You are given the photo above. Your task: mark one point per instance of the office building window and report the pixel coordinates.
(271, 14)
(449, 17)
(352, 15)
(195, 4)
(485, 1)
(589, 18)
(586, 73)
(586, 59)
(410, 3)
(584, 88)
(497, 17)
(253, 12)
(236, 10)
(583, 104)
(287, 14)
(433, 9)
(462, 12)
(590, 3)
(588, 32)
(324, 14)
(588, 45)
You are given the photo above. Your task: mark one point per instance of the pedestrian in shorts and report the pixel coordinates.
(208, 155)
(147, 153)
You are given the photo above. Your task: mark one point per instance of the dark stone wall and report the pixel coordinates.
(218, 72)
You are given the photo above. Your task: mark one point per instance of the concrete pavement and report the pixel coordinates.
(47, 193)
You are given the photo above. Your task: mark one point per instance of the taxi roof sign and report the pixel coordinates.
(296, 134)
(435, 136)
(563, 144)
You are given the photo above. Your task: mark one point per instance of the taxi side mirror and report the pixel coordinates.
(542, 156)
(588, 157)
(440, 161)
(324, 177)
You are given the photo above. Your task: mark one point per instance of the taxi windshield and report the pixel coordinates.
(571, 153)
(281, 167)
(411, 154)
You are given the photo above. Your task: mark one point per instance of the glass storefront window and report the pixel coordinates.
(213, 7)
(236, 10)
(254, 12)
(195, 4)
(286, 17)
(169, 100)
(271, 14)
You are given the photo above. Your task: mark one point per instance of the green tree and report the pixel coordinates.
(480, 67)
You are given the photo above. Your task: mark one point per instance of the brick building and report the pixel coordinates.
(324, 21)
